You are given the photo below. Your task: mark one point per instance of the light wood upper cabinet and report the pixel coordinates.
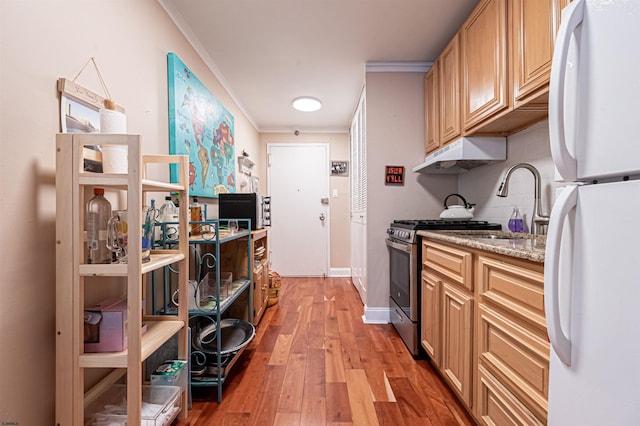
(449, 117)
(493, 76)
(431, 114)
(485, 76)
(533, 30)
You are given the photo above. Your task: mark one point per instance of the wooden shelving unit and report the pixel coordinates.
(75, 278)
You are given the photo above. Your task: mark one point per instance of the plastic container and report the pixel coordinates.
(171, 373)
(208, 284)
(516, 223)
(160, 406)
(169, 215)
(96, 219)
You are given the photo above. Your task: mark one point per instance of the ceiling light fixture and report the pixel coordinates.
(307, 104)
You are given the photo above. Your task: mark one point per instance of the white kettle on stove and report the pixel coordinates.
(457, 211)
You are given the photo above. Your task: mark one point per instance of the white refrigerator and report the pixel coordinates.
(592, 260)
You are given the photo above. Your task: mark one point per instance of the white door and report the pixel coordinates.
(298, 183)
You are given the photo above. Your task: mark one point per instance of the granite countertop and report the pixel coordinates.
(519, 245)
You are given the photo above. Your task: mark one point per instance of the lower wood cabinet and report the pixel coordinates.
(430, 326)
(259, 259)
(497, 406)
(483, 326)
(511, 337)
(457, 340)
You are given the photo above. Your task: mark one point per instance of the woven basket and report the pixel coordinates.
(274, 287)
(274, 279)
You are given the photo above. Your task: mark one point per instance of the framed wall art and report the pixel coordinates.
(339, 168)
(202, 128)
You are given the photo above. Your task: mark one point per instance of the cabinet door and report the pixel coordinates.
(457, 319)
(431, 127)
(430, 319)
(449, 83)
(484, 63)
(258, 300)
(532, 34)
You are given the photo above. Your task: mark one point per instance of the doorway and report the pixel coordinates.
(298, 183)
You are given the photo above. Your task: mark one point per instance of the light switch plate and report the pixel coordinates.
(334, 193)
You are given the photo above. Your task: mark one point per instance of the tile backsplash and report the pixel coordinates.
(480, 185)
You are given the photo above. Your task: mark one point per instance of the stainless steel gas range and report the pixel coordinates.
(404, 271)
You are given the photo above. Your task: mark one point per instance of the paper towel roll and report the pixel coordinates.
(112, 121)
(115, 158)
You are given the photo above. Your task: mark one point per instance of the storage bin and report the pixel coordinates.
(171, 373)
(160, 406)
(208, 284)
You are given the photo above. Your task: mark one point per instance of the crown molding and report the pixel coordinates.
(178, 19)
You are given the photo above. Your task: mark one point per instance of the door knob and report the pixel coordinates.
(321, 216)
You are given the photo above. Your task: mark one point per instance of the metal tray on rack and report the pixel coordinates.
(234, 335)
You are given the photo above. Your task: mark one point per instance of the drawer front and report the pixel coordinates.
(516, 287)
(497, 406)
(517, 357)
(451, 262)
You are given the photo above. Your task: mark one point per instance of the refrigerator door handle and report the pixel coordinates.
(566, 164)
(560, 343)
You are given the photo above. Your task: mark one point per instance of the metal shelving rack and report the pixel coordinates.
(213, 235)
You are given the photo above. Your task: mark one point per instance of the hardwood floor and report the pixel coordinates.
(314, 362)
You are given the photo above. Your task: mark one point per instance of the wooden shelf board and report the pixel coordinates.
(120, 270)
(121, 181)
(158, 332)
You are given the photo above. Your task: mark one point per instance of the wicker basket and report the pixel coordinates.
(274, 287)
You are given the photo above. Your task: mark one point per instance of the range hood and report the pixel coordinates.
(465, 154)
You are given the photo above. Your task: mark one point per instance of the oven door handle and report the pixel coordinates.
(403, 247)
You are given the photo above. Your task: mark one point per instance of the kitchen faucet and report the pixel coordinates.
(538, 220)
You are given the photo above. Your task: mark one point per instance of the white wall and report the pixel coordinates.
(41, 41)
(395, 137)
(481, 184)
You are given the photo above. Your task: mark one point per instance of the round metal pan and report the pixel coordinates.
(234, 335)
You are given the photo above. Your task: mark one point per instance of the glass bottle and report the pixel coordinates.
(96, 219)
(195, 213)
(515, 221)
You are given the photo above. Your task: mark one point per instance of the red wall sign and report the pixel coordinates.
(394, 175)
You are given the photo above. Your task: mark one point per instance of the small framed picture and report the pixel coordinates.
(339, 168)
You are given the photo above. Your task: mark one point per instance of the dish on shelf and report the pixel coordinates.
(234, 335)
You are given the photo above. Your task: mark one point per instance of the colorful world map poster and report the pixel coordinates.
(200, 127)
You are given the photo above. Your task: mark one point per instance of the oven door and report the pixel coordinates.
(402, 276)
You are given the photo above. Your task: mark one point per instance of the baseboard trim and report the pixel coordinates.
(376, 315)
(340, 272)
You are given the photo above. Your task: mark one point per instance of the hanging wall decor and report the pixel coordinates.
(200, 127)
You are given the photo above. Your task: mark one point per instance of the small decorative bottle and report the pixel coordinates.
(195, 211)
(515, 221)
